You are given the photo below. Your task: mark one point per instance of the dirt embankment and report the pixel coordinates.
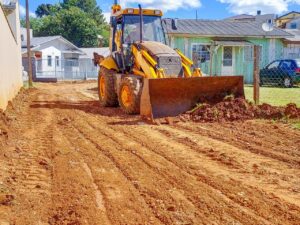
(3, 126)
(66, 160)
(240, 109)
(13, 109)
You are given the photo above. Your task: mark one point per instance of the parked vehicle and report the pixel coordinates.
(284, 72)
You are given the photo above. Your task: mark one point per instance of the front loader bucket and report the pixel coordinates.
(169, 97)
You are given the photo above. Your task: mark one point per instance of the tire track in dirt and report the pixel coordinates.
(31, 168)
(27, 159)
(241, 139)
(272, 178)
(75, 198)
(241, 200)
(160, 201)
(176, 174)
(96, 165)
(122, 199)
(151, 134)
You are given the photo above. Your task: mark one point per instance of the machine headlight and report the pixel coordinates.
(130, 10)
(157, 12)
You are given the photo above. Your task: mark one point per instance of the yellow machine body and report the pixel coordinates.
(170, 83)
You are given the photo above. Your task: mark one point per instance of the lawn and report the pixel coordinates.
(275, 95)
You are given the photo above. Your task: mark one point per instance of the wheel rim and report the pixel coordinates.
(126, 96)
(287, 82)
(102, 87)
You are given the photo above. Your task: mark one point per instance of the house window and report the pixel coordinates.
(49, 60)
(293, 25)
(200, 53)
(57, 60)
(22, 37)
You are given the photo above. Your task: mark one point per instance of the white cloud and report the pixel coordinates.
(251, 6)
(22, 11)
(164, 5)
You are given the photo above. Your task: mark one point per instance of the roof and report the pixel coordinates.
(36, 42)
(89, 52)
(297, 19)
(288, 14)
(8, 7)
(220, 28)
(257, 18)
(295, 33)
(241, 17)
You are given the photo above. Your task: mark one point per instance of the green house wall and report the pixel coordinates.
(241, 66)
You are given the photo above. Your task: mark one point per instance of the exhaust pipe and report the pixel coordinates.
(141, 23)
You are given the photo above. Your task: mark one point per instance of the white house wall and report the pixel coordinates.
(10, 59)
(295, 21)
(292, 51)
(53, 52)
(24, 33)
(54, 49)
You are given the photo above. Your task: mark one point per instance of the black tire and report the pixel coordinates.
(109, 97)
(134, 86)
(287, 82)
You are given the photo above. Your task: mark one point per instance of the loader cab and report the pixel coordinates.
(152, 29)
(126, 31)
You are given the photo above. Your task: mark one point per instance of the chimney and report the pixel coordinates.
(174, 23)
(258, 12)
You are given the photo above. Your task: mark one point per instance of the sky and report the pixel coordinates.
(206, 9)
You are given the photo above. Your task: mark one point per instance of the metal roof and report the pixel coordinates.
(89, 52)
(295, 33)
(36, 41)
(220, 28)
(288, 14)
(257, 18)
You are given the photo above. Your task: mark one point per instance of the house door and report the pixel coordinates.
(228, 61)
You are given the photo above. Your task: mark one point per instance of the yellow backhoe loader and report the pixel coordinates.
(144, 75)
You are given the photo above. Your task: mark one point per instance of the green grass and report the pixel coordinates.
(26, 84)
(296, 124)
(275, 95)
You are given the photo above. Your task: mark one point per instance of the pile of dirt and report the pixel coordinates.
(231, 109)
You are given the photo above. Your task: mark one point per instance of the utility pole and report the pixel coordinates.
(28, 46)
(256, 78)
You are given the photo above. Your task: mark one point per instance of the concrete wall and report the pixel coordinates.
(10, 57)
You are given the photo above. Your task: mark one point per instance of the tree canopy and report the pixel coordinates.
(79, 21)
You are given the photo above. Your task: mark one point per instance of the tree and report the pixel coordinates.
(46, 10)
(88, 6)
(79, 21)
(85, 5)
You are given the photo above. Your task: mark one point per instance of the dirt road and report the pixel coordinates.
(65, 160)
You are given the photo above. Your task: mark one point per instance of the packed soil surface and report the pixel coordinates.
(66, 160)
(232, 109)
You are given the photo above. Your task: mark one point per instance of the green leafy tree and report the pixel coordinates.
(88, 6)
(47, 9)
(79, 21)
